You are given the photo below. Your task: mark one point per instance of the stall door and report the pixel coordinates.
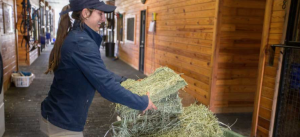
(287, 119)
(142, 41)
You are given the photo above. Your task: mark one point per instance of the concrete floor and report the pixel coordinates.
(240, 122)
(22, 105)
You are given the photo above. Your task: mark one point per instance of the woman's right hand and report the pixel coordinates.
(150, 104)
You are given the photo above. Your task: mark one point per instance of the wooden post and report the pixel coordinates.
(16, 33)
(261, 65)
(214, 58)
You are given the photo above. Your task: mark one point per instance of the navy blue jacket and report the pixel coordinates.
(80, 73)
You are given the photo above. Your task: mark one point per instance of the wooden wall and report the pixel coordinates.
(129, 52)
(273, 31)
(8, 48)
(21, 49)
(183, 40)
(31, 56)
(237, 57)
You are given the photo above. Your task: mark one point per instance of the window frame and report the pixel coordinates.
(125, 28)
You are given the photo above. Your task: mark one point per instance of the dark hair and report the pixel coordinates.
(65, 25)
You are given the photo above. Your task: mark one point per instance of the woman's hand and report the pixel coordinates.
(150, 104)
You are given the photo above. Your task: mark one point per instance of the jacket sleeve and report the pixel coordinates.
(118, 78)
(87, 57)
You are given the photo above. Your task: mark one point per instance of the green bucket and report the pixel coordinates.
(230, 133)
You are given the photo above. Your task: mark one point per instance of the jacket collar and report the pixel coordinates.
(94, 35)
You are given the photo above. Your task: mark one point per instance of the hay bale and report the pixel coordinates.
(171, 119)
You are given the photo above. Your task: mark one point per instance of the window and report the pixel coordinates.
(130, 29)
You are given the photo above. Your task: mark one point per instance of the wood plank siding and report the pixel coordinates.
(239, 42)
(8, 47)
(183, 40)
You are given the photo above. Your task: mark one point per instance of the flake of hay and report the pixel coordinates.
(161, 84)
(195, 121)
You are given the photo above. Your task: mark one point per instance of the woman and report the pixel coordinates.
(79, 71)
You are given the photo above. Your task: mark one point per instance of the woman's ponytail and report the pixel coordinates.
(64, 27)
